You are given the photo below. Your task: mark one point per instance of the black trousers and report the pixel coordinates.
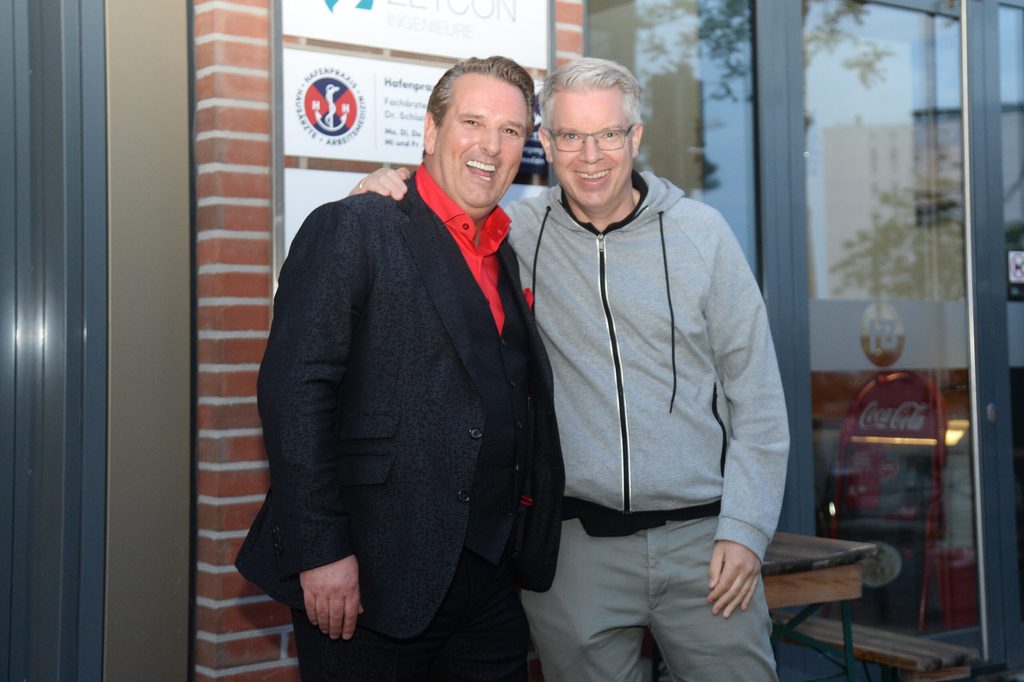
(479, 634)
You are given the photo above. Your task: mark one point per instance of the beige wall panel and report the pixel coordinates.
(147, 598)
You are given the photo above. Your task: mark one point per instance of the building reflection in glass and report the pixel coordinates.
(888, 314)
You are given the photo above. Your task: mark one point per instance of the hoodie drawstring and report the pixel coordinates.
(671, 313)
(536, 252)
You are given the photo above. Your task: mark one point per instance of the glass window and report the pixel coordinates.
(694, 61)
(888, 315)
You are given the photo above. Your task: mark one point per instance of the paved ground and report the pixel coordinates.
(1006, 676)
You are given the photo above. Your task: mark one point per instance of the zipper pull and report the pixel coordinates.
(600, 243)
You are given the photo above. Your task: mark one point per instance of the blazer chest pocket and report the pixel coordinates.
(366, 450)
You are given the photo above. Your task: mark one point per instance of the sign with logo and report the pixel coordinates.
(893, 409)
(1016, 267)
(356, 109)
(447, 28)
(333, 111)
(881, 334)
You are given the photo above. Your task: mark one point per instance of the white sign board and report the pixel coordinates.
(450, 28)
(304, 190)
(1016, 267)
(357, 109)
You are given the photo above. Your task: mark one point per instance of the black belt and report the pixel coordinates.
(602, 522)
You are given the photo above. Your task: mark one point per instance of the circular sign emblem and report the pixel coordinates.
(884, 567)
(330, 107)
(881, 334)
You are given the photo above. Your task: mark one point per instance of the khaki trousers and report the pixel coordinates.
(588, 627)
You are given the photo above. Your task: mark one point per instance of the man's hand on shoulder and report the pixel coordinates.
(387, 181)
(331, 595)
(734, 573)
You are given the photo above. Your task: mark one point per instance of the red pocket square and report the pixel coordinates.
(528, 293)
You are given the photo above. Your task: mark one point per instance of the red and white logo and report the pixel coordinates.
(1016, 265)
(330, 107)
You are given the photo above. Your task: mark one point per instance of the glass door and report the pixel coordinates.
(888, 315)
(694, 60)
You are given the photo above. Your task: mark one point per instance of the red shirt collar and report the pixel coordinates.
(495, 226)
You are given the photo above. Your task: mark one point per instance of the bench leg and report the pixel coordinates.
(787, 629)
(844, 608)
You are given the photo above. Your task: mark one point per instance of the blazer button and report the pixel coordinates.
(475, 433)
(463, 496)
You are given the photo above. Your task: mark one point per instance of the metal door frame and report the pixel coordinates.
(53, 354)
(994, 430)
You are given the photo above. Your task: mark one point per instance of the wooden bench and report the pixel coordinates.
(901, 657)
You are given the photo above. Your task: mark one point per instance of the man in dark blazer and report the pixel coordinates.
(406, 399)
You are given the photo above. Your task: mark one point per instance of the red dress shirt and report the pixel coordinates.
(481, 258)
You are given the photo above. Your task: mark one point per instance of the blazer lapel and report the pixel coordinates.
(511, 266)
(445, 275)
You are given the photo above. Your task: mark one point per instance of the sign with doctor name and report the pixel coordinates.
(450, 28)
(356, 109)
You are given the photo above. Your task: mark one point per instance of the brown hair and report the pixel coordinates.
(502, 68)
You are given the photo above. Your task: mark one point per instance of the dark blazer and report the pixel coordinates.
(372, 419)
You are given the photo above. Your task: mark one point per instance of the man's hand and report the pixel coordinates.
(734, 573)
(387, 181)
(331, 595)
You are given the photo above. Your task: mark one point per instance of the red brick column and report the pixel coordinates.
(568, 30)
(241, 635)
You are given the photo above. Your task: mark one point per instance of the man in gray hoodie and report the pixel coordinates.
(670, 406)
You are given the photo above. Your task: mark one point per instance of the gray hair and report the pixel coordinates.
(590, 73)
(502, 68)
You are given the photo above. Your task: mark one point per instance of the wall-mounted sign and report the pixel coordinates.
(1015, 269)
(1015, 275)
(304, 190)
(357, 109)
(449, 28)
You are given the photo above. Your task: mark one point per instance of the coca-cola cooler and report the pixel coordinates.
(887, 488)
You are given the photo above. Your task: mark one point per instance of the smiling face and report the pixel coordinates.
(598, 183)
(474, 153)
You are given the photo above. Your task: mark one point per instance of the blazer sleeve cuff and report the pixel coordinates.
(301, 546)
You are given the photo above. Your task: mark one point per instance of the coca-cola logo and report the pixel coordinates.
(909, 416)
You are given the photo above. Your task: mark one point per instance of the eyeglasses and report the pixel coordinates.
(607, 140)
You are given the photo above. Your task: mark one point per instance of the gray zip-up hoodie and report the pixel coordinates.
(667, 388)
